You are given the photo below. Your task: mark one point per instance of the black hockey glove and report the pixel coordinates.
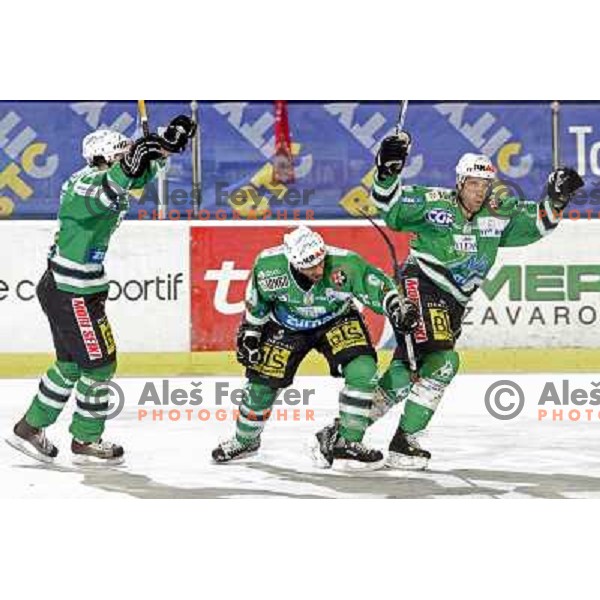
(177, 134)
(562, 184)
(392, 154)
(248, 351)
(142, 151)
(402, 313)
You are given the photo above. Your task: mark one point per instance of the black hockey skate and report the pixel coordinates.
(406, 454)
(233, 449)
(32, 442)
(96, 453)
(355, 456)
(322, 449)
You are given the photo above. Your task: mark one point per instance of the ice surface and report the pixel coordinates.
(474, 454)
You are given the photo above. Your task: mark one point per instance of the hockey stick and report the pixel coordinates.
(401, 116)
(162, 181)
(555, 107)
(410, 350)
(143, 117)
(196, 173)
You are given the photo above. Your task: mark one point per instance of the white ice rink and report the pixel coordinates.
(474, 454)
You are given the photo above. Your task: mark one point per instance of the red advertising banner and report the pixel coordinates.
(221, 259)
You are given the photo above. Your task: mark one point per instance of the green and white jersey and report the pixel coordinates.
(273, 292)
(456, 253)
(93, 203)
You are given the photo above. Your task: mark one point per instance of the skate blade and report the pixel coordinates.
(317, 457)
(401, 462)
(236, 459)
(83, 460)
(355, 466)
(24, 447)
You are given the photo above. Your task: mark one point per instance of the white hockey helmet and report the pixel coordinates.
(474, 165)
(304, 248)
(105, 143)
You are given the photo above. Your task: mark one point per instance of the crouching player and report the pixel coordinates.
(300, 298)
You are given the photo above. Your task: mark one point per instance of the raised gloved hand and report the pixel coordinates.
(142, 151)
(562, 184)
(248, 351)
(177, 134)
(402, 313)
(392, 154)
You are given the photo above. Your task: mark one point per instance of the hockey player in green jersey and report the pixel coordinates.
(74, 289)
(301, 297)
(457, 235)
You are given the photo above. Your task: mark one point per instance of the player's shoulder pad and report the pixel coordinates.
(342, 256)
(335, 251)
(346, 260)
(86, 175)
(271, 262)
(510, 206)
(274, 251)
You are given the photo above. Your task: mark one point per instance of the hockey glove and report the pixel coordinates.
(142, 151)
(402, 313)
(562, 184)
(392, 155)
(177, 134)
(248, 345)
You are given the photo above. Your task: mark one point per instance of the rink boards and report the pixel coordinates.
(177, 293)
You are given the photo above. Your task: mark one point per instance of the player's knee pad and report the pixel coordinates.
(70, 371)
(361, 373)
(395, 383)
(256, 405)
(92, 398)
(99, 374)
(259, 397)
(441, 366)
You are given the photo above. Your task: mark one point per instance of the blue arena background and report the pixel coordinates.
(334, 145)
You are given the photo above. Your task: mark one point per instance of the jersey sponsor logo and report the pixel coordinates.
(311, 312)
(107, 336)
(86, 328)
(331, 295)
(465, 243)
(470, 273)
(269, 273)
(96, 255)
(271, 284)
(412, 293)
(435, 195)
(440, 324)
(296, 322)
(440, 217)
(491, 226)
(275, 361)
(409, 199)
(339, 278)
(346, 335)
